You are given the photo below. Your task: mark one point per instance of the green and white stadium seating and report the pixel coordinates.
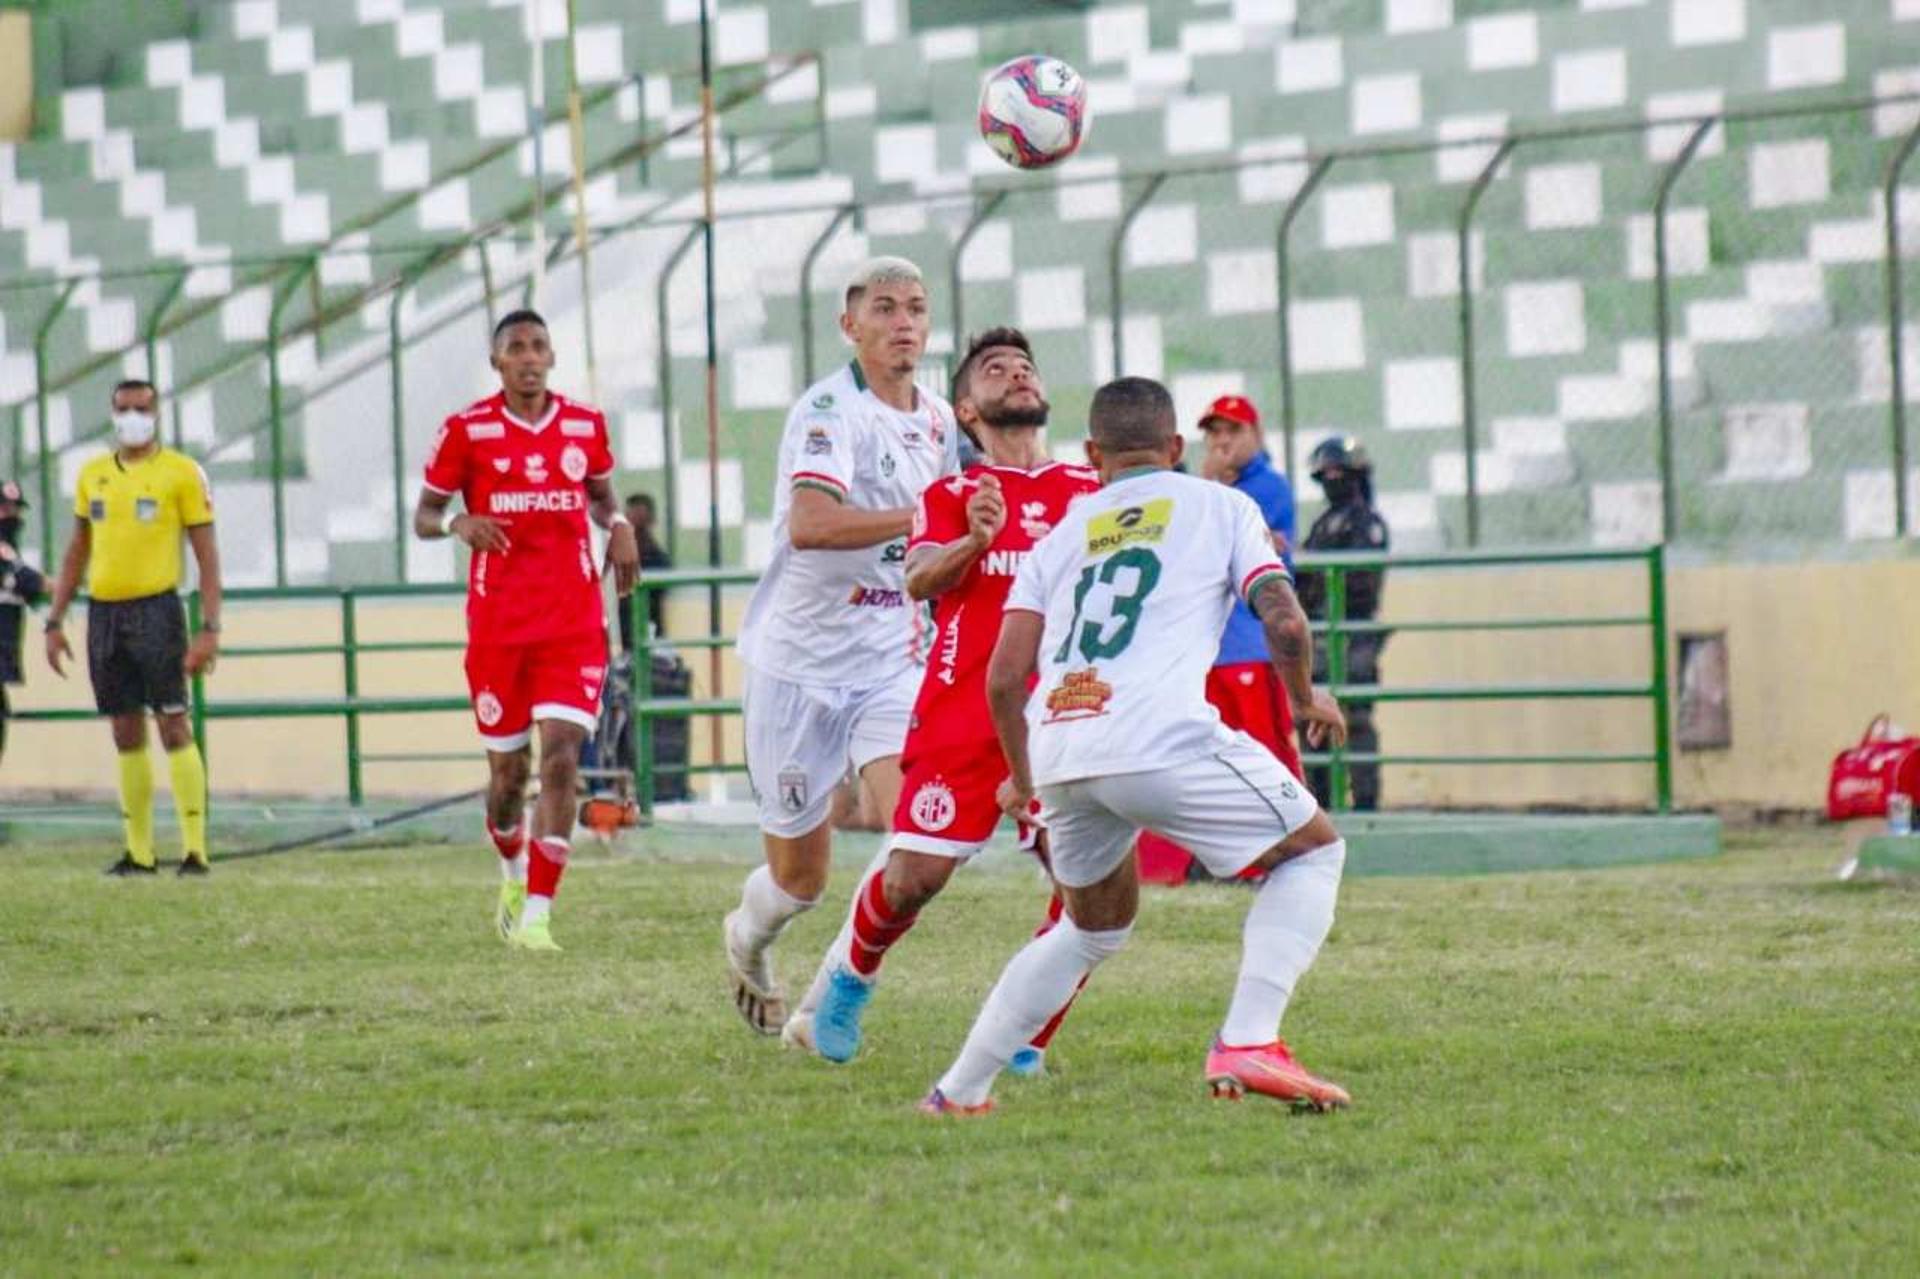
(353, 129)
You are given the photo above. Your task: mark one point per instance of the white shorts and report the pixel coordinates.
(801, 739)
(1227, 809)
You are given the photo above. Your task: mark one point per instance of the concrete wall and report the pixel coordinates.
(16, 75)
(307, 756)
(1816, 649)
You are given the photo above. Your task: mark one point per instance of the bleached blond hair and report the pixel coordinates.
(881, 270)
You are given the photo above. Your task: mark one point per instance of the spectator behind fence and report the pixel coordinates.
(21, 587)
(640, 512)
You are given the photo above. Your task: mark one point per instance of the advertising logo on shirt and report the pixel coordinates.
(1129, 526)
(1078, 695)
(536, 469)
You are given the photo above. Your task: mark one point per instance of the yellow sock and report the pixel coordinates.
(136, 804)
(190, 798)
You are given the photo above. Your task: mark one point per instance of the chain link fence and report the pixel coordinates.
(1677, 329)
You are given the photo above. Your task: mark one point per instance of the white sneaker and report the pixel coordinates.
(758, 998)
(798, 1032)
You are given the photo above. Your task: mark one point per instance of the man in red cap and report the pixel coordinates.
(1242, 685)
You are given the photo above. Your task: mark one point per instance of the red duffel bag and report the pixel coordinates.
(1864, 777)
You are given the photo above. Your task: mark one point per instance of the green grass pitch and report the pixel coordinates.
(324, 1064)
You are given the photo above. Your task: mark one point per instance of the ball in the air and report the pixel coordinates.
(1033, 111)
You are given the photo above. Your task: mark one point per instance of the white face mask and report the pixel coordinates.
(134, 429)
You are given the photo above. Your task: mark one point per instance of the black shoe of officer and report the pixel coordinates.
(127, 866)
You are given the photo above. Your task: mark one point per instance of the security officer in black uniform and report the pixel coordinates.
(1345, 474)
(21, 587)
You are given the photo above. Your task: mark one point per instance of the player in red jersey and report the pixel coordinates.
(530, 467)
(969, 536)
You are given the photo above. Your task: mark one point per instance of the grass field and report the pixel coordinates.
(324, 1064)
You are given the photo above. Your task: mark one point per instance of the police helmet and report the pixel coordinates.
(1339, 453)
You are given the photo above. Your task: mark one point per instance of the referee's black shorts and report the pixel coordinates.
(135, 654)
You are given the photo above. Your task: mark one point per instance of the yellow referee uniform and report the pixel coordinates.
(137, 513)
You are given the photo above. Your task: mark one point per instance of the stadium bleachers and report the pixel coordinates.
(368, 130)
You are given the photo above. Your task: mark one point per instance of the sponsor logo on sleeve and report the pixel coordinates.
(932, 806)
(1130, 526)
(823, 401)
(819, 443)
(577, 427)
(1078, 695)
(486, 431)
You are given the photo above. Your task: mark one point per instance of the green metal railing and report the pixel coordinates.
(1337, 630)
(352, 706)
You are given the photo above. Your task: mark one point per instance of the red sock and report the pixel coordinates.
(1045, 1036)
(509, 843)
(1055, 909)
(875, 926)
(546, 861)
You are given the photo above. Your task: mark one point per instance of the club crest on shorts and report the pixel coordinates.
(487, 709)
(932, 807)
(793, 790)
(573, 463)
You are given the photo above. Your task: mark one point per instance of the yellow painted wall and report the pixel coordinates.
(16, 75)
(1816, 650)
(308, 755)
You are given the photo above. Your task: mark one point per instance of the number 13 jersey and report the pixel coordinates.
(1135, 585)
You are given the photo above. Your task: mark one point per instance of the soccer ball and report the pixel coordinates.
(1033, 111)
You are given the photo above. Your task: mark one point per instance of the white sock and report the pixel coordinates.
(1037, 981)
(1291, 916)
(842, 945)
(514, 869)
(535, 910)
(765, 909)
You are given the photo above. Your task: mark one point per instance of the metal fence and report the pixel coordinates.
(1721, 347)
(347, 703)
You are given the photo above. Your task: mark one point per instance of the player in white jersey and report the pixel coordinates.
(1118, 736)
(829, 638)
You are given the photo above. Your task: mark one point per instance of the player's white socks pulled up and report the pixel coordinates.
(1290, 918)
(1036, 984)
(765, 910)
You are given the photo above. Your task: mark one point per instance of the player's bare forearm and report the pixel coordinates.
(818, 521)
(428, 515)
(1289, 637)
(73, 565)
(623, 546)
(933, 570)
(206, 554)
(1009, 673)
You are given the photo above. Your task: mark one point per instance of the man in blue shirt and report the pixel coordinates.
(1242, 685)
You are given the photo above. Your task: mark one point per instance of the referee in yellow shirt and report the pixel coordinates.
(131, 507)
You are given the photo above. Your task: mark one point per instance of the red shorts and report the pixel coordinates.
(515, 684)
(948, 803)
(1249, 697)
